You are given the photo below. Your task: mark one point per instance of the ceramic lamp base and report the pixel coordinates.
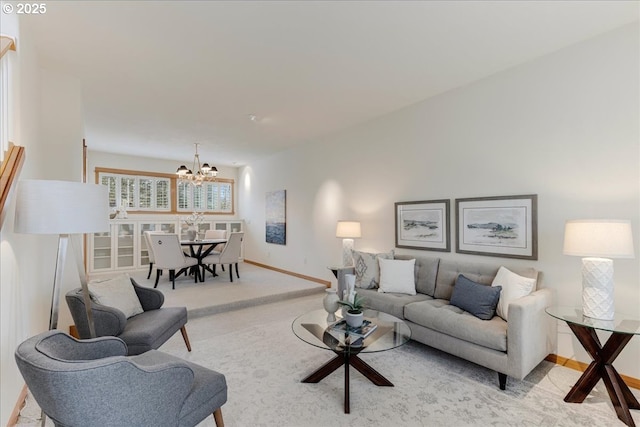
(597, 288)
(347, 247)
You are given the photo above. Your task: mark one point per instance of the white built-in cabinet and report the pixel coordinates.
(124, 248)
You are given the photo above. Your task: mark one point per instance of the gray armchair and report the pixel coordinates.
(93, 383)
(143, 332)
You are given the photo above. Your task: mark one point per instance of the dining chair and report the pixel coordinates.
(216, 234)
(147, 238)
(230, 255)
(169, 256)
(93, 383)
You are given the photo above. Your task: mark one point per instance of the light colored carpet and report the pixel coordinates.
(264, 362)
(218, 294)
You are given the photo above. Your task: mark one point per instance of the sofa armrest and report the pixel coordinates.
(528, 338)
(341, 281)
(150, 299)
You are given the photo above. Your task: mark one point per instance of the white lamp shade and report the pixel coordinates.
(605, 238)
(61, 207)
(348, 230)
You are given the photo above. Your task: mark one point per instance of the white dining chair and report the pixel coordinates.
(216, 234)
(152, 258)
(169, 256)
(230, 254)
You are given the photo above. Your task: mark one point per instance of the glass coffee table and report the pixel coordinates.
(314, 329)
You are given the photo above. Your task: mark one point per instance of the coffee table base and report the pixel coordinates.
(347, 359)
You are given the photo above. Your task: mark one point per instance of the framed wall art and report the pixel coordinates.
(423, 225)
(276, 217)
(502, 226)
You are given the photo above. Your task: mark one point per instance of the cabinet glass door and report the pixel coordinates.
(144, 250)
(101, 250)
(124, 246)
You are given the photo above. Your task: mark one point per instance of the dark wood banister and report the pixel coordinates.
(9, 172)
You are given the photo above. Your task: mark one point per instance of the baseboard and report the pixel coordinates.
(581, 366)
(15, 414)
(290, 273)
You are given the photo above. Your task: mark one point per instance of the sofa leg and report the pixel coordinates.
(502, 379)
(185, 337)
(217, 416)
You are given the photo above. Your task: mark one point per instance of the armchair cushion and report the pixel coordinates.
(117, 292)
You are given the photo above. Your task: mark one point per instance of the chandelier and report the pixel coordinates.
(203, 173)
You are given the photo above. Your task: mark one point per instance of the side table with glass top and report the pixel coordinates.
(622, 329)
(314, 329)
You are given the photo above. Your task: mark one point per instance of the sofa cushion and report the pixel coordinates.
(426, 272)
(397, 276)
(513, 286)
(439, 315)
(475, 298)
(367, 269)
(391, 303)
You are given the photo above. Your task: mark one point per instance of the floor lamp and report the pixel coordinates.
(64, 208)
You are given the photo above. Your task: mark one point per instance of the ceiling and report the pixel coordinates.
(158, 76)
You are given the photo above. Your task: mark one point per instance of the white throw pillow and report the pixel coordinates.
(514, 286)
(397, 276)
(116, 292)
(366, 267)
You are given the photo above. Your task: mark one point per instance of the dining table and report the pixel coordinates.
(200, 249)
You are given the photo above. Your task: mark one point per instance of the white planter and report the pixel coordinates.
(354, 320)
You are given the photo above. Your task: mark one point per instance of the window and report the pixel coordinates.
(142, 193)
(6, 96)
(209, 197)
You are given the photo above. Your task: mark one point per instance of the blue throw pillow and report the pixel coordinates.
(475, 298)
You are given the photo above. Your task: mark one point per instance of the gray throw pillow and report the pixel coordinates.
(475, 298)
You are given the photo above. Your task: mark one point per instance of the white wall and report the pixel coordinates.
(564, 127)
(48, 123)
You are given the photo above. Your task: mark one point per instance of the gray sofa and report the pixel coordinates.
(511, 348)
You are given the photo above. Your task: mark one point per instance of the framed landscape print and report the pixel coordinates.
(276, 217)
(423, 225)
(503, 226)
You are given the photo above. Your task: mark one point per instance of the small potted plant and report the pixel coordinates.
(354, 315)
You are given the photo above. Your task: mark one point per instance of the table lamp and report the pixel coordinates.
(348, 230)
(598, 241)
(63, 208)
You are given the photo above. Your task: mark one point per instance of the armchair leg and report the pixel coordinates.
(217, 416)
(150, 268)
(172, 277)
(185, 337)
(237, 274)
(231, 272)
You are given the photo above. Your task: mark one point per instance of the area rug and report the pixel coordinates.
(263, 362)
(264, 365)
